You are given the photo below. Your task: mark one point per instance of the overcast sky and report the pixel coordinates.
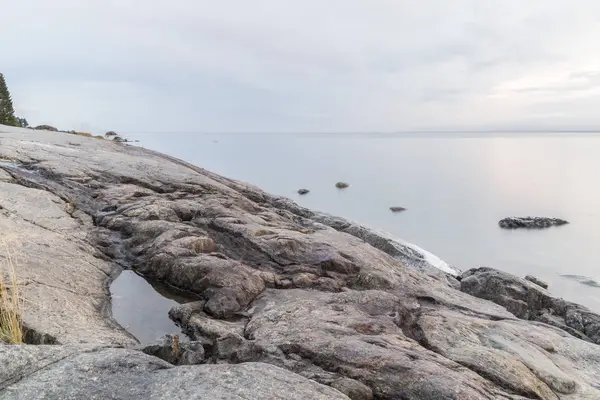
(303, 65)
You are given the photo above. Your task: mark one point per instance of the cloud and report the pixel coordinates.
(280, 66)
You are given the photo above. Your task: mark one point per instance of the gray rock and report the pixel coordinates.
(46, 237)
(341, 185)
(324, 298)
(537, 281)
(303, 191)
(70, 373)
(46, 128)
(397, 209)
(529, 301)
(530, 222)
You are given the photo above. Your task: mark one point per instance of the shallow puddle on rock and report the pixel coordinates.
(143, 308)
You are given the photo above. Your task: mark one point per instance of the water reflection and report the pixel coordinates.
(142, 308)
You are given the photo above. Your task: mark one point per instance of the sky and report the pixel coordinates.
(303, 66)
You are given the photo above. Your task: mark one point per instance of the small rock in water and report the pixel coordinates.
(341, 185)
(397, 209)
(530, 222)
(303, 191)
(537, 281)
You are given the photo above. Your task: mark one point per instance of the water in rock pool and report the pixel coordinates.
(142, 308)
(455, 188)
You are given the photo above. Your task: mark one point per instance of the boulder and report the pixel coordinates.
(303, 191)
(530, 222)
(341, 185)
(45, 128)
(397, 209)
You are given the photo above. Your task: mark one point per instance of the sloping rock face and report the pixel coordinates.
(316, 295)
(528, 300)
(66, 372)
(530, 222)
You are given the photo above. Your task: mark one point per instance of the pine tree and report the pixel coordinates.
(7, 112)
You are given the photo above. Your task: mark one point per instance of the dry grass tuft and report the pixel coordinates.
(86, 134)
(203, 245)
(11, 303)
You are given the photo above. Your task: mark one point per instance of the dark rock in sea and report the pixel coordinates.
(530, 222)
(527, 300)
(45, 128)
(110, 133)
(303, 191)
(537, 281)
(341, 185)
(397, 209)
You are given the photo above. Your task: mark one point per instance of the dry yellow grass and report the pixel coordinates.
(11, 302)
(86, 134)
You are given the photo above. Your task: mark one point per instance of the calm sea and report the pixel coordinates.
(455, 189)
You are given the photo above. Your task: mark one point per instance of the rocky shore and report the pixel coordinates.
(293, 304)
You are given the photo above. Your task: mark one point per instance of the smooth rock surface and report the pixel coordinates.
(530, 222)
(61, 372)
(322, 297)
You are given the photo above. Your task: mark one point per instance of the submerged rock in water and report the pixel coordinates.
(303, 191)
(530, 222)
(341, 185)
(537, 281)
(397, 209)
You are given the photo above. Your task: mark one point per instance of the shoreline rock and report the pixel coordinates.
(291, 301)
(537, 281)
(530, 301)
